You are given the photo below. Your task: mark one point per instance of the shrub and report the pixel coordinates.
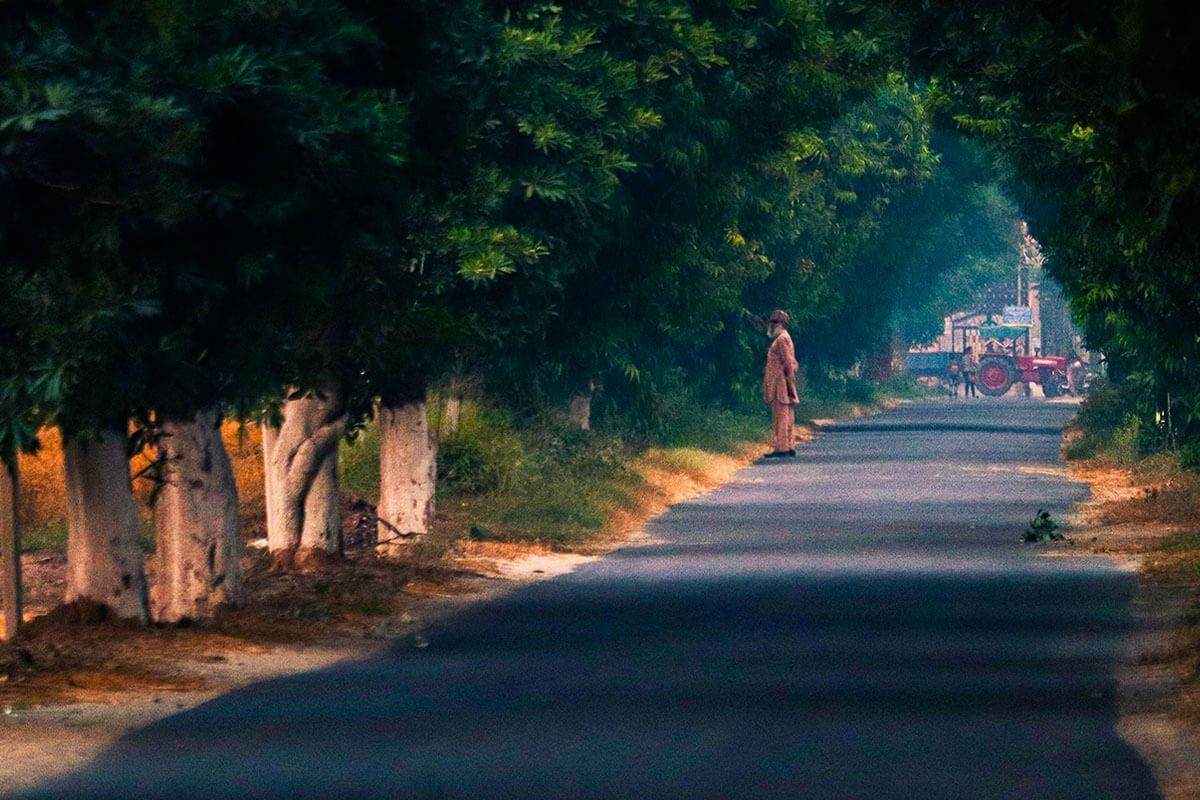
(484, 454)
(1125, 443)
(1109, 424)
(1189, 456)
(358, 463)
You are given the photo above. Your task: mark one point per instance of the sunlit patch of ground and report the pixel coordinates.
(1150, 521)
(1057, 472)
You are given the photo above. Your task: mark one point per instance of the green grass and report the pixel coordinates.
(1181, 542)
(689, 460)
(1186, 545)
(52, 537)
(358, 464)
(718, 431)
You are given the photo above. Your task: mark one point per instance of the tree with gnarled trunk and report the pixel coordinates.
(300, 456)
(407, 474)
(104, 561)
(163, 226)
(196, 522)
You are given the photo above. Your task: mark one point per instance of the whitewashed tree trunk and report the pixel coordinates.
(581, 411)
(303, 518)
(452, 415)
(196, 523)
(407, 475)
(322, 530)
(10, 552)
(269, 435)
(104, 561)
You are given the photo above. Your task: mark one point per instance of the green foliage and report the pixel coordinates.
(1082, 106)
(1118, 423)
(484, 454)
(1189, 457)
(778, 142)
(954, 236)
(1125, 446)
(1042, 528)
(358, 463)
(167, 213)
(368, 196)
(1109, 424)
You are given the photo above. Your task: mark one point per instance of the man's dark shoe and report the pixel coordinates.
(777, 454)
(789, 454)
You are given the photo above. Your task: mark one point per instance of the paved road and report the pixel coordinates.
(859, 622)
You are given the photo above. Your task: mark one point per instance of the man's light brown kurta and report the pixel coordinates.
(779, 389)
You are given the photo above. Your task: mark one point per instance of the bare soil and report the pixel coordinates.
(1150, 524)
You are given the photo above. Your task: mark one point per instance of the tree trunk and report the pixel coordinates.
(196, 523)
(322, 531)
(269, 435)
(303, 518)
(881, 369)
(581, 411)
(452, 415)
(104, 562)
(407, 475)
(10, 552)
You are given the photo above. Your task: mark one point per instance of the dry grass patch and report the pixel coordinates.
(1147, 518)
(42, 508)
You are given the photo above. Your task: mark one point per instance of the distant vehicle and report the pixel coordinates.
(945, 367)
(998, 370)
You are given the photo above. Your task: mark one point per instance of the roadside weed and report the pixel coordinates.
(1042, 528)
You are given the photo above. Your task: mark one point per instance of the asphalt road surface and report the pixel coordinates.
(861, 621)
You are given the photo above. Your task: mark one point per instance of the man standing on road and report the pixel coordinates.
(779, 385)
(970, 368)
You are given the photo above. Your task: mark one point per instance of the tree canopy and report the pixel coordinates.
(208, 203)
(1088, 108)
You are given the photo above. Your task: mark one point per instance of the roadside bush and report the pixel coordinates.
(904, 386)
(1125, 443)
(358, 463)
(719, 430)
(1189, 457)
(1109, 425)
(484, 454)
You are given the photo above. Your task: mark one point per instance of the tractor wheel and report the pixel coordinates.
(996, 375)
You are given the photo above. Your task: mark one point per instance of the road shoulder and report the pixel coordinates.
(1158, 694)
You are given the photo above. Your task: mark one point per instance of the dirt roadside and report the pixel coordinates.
(1158, 680)
(68, 690)
(56, 721)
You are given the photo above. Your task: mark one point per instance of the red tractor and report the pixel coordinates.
(999, 371)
